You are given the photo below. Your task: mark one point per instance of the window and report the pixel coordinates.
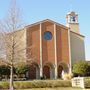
(73, 18)
(47, 35)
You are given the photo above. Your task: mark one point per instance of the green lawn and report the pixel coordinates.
(61, 88)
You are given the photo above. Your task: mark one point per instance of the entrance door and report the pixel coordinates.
(32, 72)
(60, 68)
(46, 72)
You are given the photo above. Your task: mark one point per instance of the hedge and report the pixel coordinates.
(41, 84)
(36, 84)
(87, 82)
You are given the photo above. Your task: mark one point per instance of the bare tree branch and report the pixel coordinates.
(12, 40)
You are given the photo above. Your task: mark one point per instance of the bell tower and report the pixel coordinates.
(72, 21)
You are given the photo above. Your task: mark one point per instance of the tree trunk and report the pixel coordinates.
(11, 78)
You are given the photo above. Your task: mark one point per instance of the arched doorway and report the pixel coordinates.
(62, 68)
(48, 71)
(33, 71)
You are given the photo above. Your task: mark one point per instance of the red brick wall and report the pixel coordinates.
(59, 43)
(33, 41)
(48, 45)
(62, 45)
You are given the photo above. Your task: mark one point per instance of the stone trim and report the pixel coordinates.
(55, 51)
(41, 66)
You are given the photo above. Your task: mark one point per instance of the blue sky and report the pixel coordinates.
(36, 10)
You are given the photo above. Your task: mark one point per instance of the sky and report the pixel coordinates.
(56, 10)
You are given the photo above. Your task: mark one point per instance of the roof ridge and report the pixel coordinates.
(42, 21)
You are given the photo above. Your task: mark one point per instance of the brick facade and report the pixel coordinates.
(48, 48)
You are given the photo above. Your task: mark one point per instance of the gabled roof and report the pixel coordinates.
(48, 20)
(51, 21)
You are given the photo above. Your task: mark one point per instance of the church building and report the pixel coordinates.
(55, 47)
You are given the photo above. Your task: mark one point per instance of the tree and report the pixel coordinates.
(88, 74)
(21, 69)
(80, 68)
(12, 40)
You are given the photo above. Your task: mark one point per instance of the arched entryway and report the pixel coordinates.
(62, 68)
(48, 71)
(33, 71)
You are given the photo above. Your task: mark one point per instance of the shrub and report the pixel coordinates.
(4, 85)
(4, 71)
(67, 76)
(80, 68)
(21, 69)
(87, 82)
